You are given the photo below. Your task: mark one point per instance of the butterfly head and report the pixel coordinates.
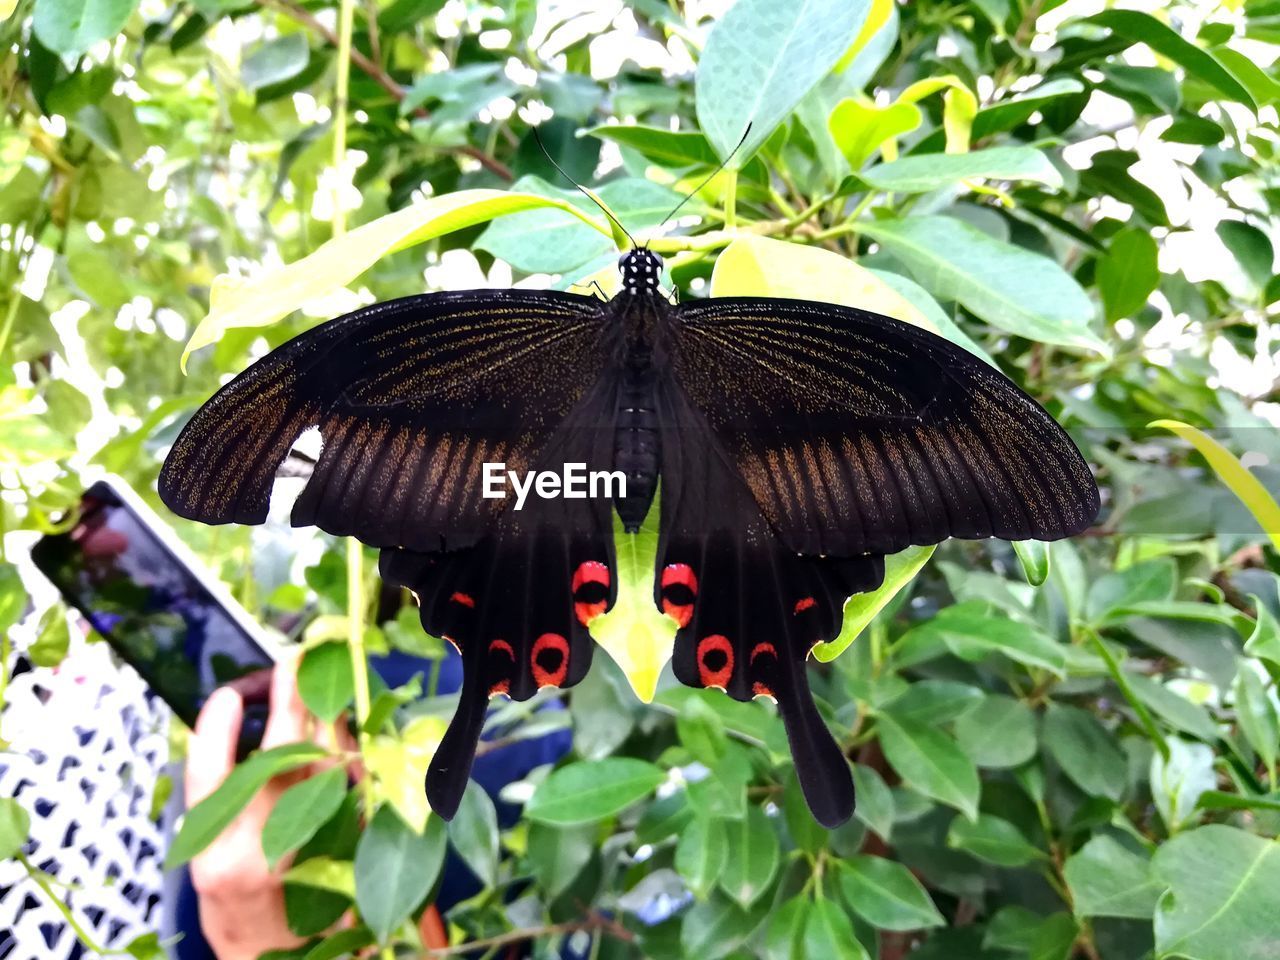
(641, 269)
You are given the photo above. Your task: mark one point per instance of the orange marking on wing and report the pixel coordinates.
(715, 661)
(463, 598)
(807, 603)
(549, 660)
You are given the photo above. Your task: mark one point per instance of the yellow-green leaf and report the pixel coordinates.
(634, 632)
(261, 302)
(1234, 474)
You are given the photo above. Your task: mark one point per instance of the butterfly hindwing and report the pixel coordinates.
(412, 397)
(749, 609)
(517, 603)
(857, 433)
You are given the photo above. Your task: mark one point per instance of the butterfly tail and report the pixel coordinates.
(450, 767)
(821, 766)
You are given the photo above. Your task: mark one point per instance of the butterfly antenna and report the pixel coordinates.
(585, 192)
(698, 189)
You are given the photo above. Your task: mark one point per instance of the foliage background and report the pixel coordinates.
(1059, 753)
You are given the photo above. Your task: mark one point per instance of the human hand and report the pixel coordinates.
(242, 899)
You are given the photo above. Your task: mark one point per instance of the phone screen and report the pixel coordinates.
(150, 606)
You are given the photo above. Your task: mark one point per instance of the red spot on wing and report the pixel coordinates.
(549, 660)
(592, 571)
(679, 574)
(464, 598)
(586, 612)
(763, 649)
(681, 613)
(715, 661)
(806, 604)
(503, 684)
(590, 587)
(679, 589)
(762, 690)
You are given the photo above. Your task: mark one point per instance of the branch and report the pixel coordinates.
(381, 78)
(592, 923)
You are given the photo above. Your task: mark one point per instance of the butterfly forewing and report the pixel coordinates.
(412, 398)
(857, 433)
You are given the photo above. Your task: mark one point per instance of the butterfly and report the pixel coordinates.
(797, 444)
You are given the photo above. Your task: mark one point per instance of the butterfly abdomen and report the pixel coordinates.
(637, 448)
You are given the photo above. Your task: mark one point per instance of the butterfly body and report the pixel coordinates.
(796, 443)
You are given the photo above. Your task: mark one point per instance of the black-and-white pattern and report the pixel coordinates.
(87, 745)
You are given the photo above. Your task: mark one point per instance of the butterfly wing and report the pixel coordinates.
(517, 604)
(857, 433)
(412, 397)
(749, 608)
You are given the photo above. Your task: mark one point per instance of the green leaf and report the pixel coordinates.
(15, 827)
(592, 790)
(1128, 274)
(701, 853)
(713, 928)
(1264, 641)
(344, 943)
(1221, 899)
(805, 832)
(634, 632)
(325, 873)
(668, 147)
(474, 833)
(860, 609)
(275, 61)
(1138, 27)
(53, 637)
(1252, 249)
(395, 869)
(920, 173)
(994, 840)
(546, 241)
(1234, 474)
(875, 800)
(785, 934)
(1257, 714)
(237, 303)
(860, 128)
(1054, 938)
(302, 810)
(147, 947)
(828, 932)
(1014, 289)
(1107, 879)
(325, 680)
(930, 763)
(999, 732)
(558, 854)
(752, 857)
(934, 701)
(1034, 557)
(210, 816)
(13, 596)
(969, 633)
(760, 60)
(1086, 751)
(71, 27)
(886, 894)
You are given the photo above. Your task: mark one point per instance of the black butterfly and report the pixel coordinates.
(797, 443)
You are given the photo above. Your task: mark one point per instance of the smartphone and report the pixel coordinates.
(139, 587)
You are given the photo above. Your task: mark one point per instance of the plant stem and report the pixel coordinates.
(83, 935)
(355, 558)
(346, 19)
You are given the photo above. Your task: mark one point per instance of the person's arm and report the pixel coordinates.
(242, 900)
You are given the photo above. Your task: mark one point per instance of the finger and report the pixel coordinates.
(211, 749)
(287, 720)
